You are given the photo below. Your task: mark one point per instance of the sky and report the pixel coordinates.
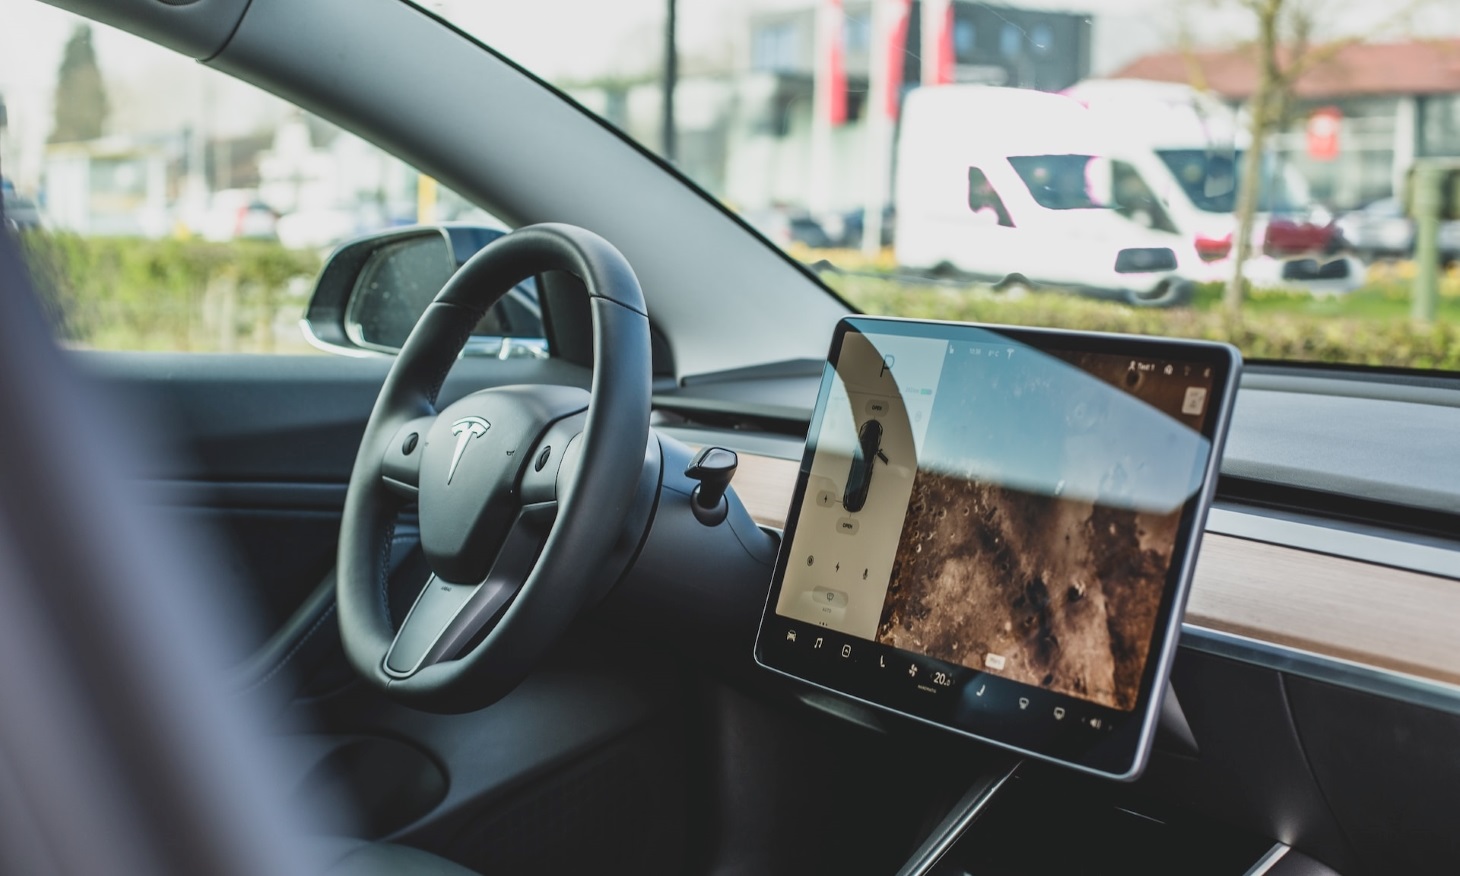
(559, 39)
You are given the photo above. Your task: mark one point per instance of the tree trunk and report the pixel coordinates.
(1265, 100)
(1248, 193)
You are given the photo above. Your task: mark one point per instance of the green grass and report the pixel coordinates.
(1370, 326)
(1377, 301)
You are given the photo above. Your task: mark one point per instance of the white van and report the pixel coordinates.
(1012, 186)
(1187, 148)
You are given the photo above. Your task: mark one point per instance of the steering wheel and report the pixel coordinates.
(516, 521)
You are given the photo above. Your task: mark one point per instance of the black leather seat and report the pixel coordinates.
(351, 857)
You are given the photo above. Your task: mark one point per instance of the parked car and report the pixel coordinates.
(317, 229)
(20, 211)
(1383, 230)
(848, 227)
(786, 226)
(238, 214)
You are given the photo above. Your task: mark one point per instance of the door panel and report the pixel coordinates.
(281, 419)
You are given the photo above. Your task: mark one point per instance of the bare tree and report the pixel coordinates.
(1284, 29)
(1284, 51)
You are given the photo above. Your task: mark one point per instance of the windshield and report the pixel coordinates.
(912, 153)
(1210, 179)
(873, 141)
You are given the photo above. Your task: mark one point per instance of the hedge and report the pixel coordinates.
(183, 295)
(247, 296)
(1265, 331)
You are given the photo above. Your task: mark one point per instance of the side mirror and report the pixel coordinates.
(373, 290)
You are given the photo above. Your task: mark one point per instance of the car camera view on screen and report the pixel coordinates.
(1012, 512)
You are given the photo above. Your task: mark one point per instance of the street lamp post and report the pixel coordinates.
(671, 79)
(879, 126)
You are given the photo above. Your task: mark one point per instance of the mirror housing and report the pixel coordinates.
(373, 289)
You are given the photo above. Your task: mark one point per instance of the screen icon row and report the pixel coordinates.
(921, 678)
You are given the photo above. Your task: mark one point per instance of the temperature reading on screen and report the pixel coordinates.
(942, 679)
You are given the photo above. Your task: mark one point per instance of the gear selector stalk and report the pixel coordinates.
(713, 467)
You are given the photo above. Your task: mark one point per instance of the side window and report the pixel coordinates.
(162, 205)
(984, 201)
(1135, 200)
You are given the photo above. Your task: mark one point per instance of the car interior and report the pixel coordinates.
(599, 701)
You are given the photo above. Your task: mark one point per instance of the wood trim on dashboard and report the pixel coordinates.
(1379, 616)
(765, 485)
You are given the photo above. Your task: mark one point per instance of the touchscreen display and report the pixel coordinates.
(992, 527)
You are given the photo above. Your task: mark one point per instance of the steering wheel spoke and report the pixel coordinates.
(400, 469)
(447, 618)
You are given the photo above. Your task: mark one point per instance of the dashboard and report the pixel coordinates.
(1352, 559)
(1316, 666)
(1269, 579)
(1316, 675)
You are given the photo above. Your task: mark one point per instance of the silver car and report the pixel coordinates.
(1383, 230)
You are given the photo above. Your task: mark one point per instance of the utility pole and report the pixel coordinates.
(879, 126)
(3, 122)
(669, 147)
(196, 193)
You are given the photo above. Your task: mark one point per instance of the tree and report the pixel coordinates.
(81, 102)
(1278, 22)
(1283, 52)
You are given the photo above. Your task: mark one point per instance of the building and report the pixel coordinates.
(1021, 48)
(770, 152)
(109, 187)
(1394, 102)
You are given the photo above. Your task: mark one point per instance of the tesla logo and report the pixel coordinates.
(465, 429)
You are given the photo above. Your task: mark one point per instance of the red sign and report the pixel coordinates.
(943, 46)
(1323, 129)
(937, 31)
(831, 72)
(831, 66)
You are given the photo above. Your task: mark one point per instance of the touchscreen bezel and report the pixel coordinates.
(1121, 747)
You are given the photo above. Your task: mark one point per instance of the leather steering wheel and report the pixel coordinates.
(515, 525)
